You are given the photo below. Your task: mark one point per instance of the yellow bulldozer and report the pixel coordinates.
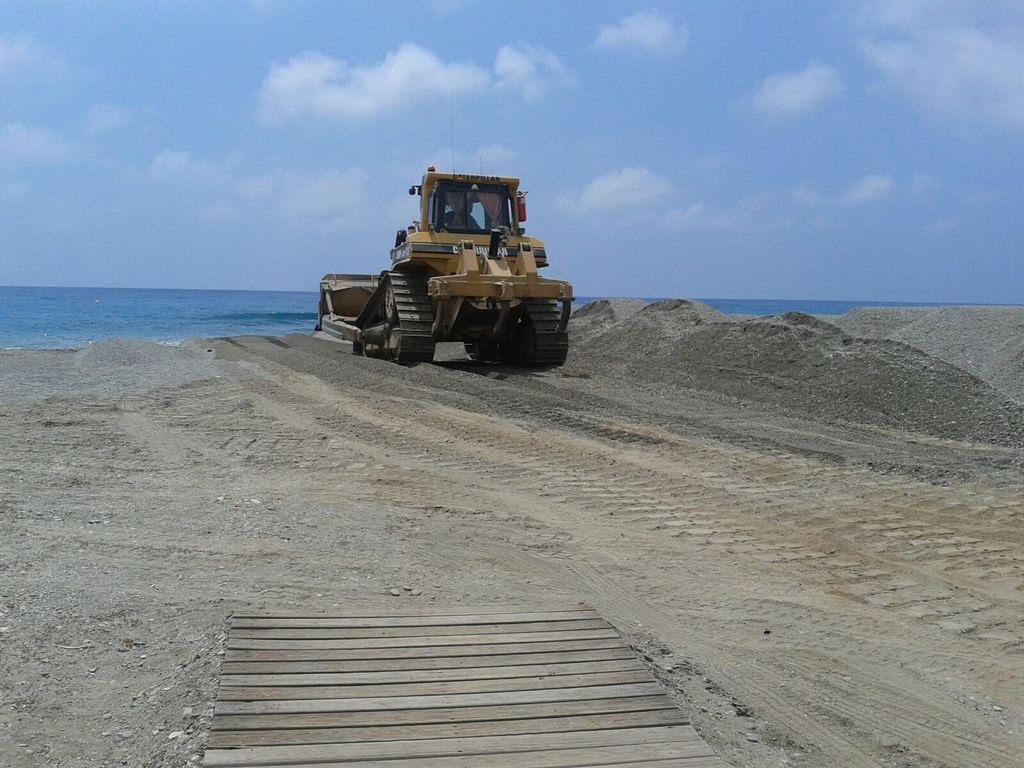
(464, 271)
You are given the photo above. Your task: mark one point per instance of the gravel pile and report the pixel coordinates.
(986, 341)
(802, 365)
(597, 316)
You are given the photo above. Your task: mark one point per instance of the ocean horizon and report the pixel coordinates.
(70, 318)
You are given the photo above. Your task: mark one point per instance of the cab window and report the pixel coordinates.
(476, 208)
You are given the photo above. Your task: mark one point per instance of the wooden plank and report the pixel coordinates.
(431, 620)
(377, 732)
(328, 633)
(478, 689)
(398, 613)
(416, 702)
(686, 754)
(410, 642)
(509, 684)
(476, 746)
(433, 652)
(454, 714)
(430, 675)
(442, 662)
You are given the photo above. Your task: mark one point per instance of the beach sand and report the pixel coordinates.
(810, 528)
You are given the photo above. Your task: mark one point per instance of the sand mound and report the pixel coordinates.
(668, 317)
(594, 318)
(986, 341)
(804, 365)
(675, 312)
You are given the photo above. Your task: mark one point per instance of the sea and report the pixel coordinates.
(71, 318)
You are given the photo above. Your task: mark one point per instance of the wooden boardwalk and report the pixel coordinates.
(549, 689)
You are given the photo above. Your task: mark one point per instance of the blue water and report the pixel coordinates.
(55, 318)
(41, 318)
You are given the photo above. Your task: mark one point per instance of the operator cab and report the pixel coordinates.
(469, 208)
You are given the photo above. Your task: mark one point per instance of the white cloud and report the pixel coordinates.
(226, 190)
(807, 195)
(172, 164)
(696, 216)
(792, 93)
(494, 156)
(222, 212)
(21, 52)
(867, 189)
(646, 32)
(315, 84)
(623, 189)
(956, 59)
(870, 188)
(104, 118)
(530, 70)
(331, 200)
(257, 187)
(21, 143)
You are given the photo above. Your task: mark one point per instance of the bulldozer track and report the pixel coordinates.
(549, 346)
(401, 307)
(415, 316)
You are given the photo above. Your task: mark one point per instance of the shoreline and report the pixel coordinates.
(204, 315)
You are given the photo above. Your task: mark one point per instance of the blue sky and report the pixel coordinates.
(848, 150)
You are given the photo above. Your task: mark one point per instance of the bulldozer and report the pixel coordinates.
(463, 271)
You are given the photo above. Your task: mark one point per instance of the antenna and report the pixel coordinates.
(481, 165)
(451, 102)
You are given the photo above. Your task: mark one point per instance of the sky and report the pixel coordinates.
(858, 150)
